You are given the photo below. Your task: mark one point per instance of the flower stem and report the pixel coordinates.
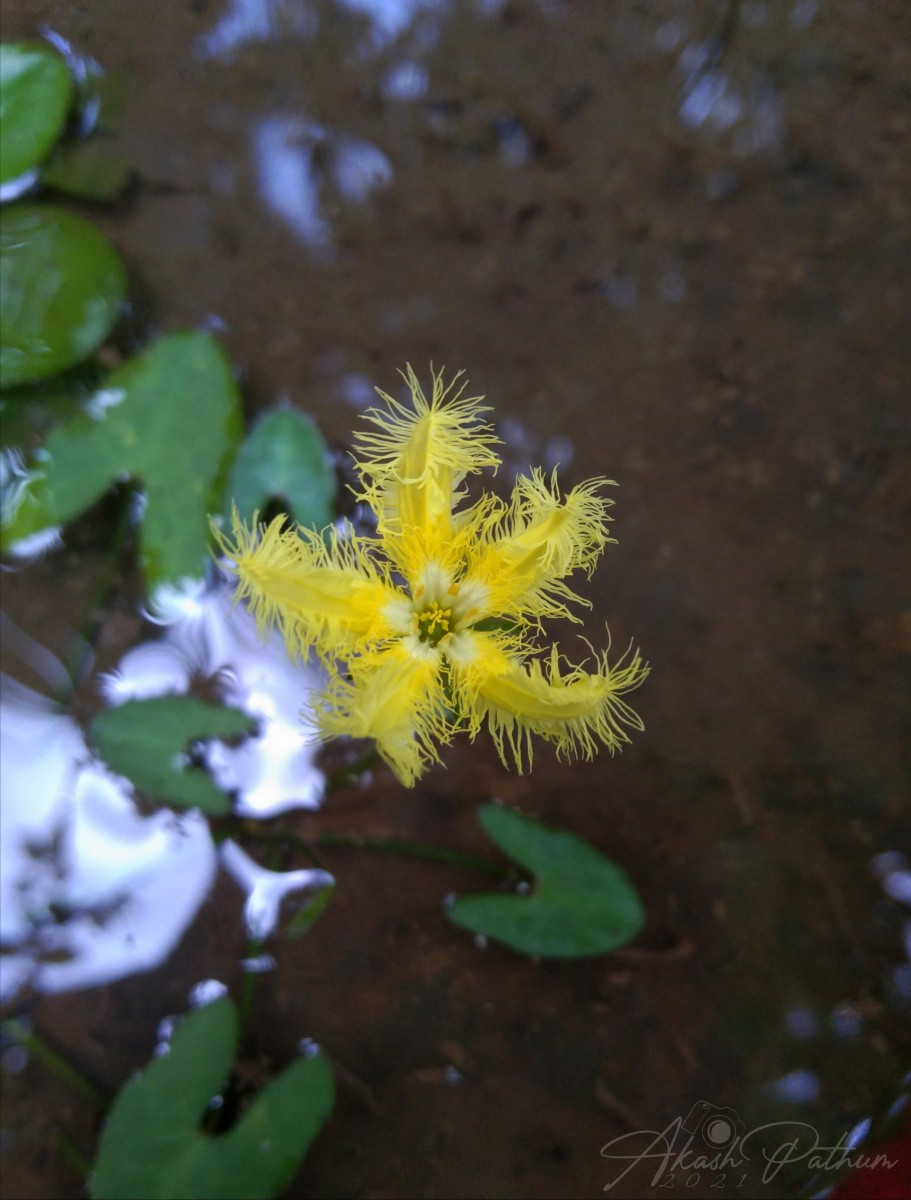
(80, 655)
(414, 850)
(73, 1155)
(331, 841)
(248, 986)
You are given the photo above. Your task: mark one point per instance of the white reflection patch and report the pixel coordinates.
(83, 876)
(358, 168)
(207, 992)
(287, 177)
(256, 21)
(296, 159)
(390, 18)
(14, 188)
(797, 1087)
(268, 20)
(405, 81)
(266, 889)
(272, 772)
(99, 403)
(14, 481)
(750, 111)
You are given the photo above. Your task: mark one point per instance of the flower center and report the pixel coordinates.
(434, 623)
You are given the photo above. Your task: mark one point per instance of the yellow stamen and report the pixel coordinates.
(434, 622)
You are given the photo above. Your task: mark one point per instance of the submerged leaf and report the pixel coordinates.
(36, 90)
(62, 286)
(169, 419)
(305, 917)
(582, 903)
(284, 457)
(90, 170)
(152, 1147)
(147, 740)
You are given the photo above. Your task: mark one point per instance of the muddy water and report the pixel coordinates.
(670, 242)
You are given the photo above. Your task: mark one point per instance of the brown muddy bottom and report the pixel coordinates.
(670, 242)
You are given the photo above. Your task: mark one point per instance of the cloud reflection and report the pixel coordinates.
(90, 890)
(712, 101)
(248, 21)
(266, 889)
(256, 21)
(296, 159)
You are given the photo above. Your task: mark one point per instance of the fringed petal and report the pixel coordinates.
(323, 595)
(452, 648)
(394, 696)
(539, 541)
(414, 459)
(576, 710)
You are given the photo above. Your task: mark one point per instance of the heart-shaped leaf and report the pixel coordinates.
(284, 457)
(147, 740)
(582, 903)
(152, 1147)
(169, 419)
(62, 287)
(36, 90)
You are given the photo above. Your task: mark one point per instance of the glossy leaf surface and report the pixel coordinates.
(62, 287)
(36, 90)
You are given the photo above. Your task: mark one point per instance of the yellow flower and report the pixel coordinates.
(429, 627)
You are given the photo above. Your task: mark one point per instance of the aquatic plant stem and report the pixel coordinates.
(68, 1150)
(91, 626)
(414, 850)
(31, 1042)
(329, 840)
(248, 988)
(333, 841)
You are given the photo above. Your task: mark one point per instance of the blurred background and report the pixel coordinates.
(669, 241)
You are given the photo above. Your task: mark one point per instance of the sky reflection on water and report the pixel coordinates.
(297, 159)
(91, 889)
(246, 21)
(266, 889)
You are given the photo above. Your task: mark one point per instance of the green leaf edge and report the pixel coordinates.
(473, 912)
(187, 1086)
(192, 788)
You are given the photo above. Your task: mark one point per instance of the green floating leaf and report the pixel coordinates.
(90, 170)
(582, 903)
(36, 90)
(146, 740)
(284, 458)
(62, 286)
(153, 1149)
(169, 419)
